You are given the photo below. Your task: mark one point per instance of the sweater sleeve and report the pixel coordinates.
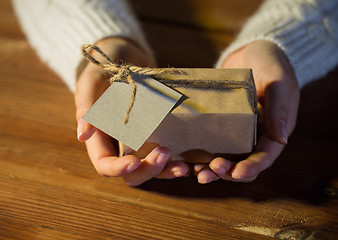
(306, 30)
(56, 29)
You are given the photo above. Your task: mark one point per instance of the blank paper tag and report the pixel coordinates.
(153, 101)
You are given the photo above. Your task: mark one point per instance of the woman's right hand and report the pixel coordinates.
(102, 149)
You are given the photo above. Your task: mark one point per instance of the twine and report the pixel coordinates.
(123, 73)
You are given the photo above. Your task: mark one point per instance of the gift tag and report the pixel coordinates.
(153, 101)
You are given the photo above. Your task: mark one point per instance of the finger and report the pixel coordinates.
(198, 167)
(281, 106)
(266, 153)
(276, 112)
(102, 152)
(151, 166)
(174, 169)
(222, 168)
(204, 174)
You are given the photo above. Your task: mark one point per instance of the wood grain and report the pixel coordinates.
(49, 189)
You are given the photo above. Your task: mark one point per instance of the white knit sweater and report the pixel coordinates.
(57, 29)
(307, 31)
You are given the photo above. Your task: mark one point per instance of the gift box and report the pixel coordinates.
(197, 113)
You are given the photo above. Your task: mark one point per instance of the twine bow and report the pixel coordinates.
(123, 73)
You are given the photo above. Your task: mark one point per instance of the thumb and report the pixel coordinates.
(91, 84)
(277, 103)
(84, 130)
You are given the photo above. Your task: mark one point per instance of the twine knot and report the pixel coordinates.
(122, 73)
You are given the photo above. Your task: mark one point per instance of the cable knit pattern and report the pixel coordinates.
(58, 28)
(306, 30)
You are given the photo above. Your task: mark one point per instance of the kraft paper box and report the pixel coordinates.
(203, 114)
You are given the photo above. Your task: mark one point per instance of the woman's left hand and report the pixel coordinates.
(278, 99)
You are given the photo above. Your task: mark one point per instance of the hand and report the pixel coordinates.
(278, 99)
(102, 149)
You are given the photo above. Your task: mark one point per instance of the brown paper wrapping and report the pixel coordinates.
(210, 122)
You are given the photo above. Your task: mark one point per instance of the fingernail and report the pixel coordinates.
(131, 167)
(80, 129)
(206, 181)
(162, 158)
(178, 174)
(284, 131)
(219, 170)
(236, 176)
(198, 167)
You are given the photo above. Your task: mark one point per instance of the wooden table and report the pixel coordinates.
(49, 189)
